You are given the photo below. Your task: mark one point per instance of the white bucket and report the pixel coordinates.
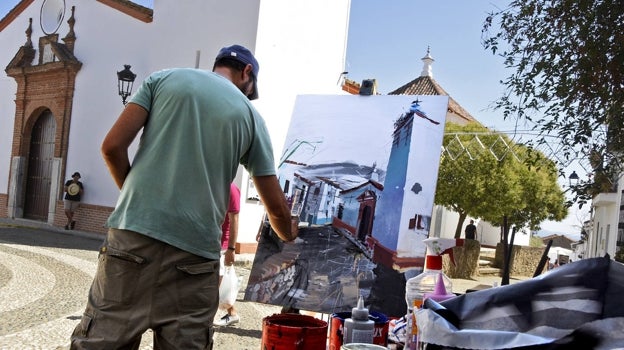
(362, 346)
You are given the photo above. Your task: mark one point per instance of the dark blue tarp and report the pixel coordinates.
(575, 306)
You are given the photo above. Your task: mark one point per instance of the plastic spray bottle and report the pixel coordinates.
(424, 283)
(439, 292)
(358, 328)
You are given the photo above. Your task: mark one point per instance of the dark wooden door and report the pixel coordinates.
(40, 161)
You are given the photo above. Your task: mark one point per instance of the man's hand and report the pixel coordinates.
(294, 227)
(229, 257)
(276, 207)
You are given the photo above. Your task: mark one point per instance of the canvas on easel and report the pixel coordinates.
(360, 172)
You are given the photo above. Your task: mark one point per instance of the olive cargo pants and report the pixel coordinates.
(143, 283)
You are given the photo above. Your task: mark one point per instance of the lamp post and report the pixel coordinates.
(574, 179)
(125, 80)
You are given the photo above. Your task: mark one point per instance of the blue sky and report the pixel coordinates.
(388, 38)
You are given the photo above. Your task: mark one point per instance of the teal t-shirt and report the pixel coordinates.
(200, 127)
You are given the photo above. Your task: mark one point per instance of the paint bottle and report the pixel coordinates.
(358, 328)
(439, 293)
(424, 283)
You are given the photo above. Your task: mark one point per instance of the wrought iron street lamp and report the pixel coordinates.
(125, 80)
(574, 179)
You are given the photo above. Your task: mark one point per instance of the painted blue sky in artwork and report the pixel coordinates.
(339, 128)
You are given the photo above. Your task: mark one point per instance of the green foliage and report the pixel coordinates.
(541, 198)
(619, 255)
(464, 181)
(567, 59)
(536, 241)
(473, 182)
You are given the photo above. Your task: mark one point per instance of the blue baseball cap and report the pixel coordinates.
(243, 55)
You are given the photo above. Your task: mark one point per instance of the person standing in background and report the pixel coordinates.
(73, 194)
(471, 230)
(159, 265)
(229, 236)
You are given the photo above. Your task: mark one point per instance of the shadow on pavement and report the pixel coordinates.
(48, 237)
(253, 333)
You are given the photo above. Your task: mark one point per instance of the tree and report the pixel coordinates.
(525, 192)
(541, 197)
(465, 173)
(567, 59)
(520, 189)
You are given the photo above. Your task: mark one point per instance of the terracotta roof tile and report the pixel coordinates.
(425, 85)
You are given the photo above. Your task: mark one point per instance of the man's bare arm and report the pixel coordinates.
(230, 254)
(115, 145)
(276, 207)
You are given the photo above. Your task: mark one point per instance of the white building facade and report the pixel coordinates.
(606, 228)
(59, 96)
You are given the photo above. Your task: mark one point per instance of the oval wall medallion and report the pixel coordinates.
(51, 15)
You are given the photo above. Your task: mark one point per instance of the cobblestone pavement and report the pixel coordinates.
(45, 276)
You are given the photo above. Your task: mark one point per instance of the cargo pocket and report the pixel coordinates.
(82, 329)
(198, 285)
(117, 275)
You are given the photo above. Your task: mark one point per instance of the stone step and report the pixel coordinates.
(487, 252)
(485, 262)
(489, 271)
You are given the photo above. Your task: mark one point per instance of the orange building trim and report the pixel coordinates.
(16, 11)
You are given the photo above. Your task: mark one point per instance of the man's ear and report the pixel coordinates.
(248, 70)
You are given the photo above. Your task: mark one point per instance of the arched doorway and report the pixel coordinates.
(365, 223)
(368, 200)
(40, 160)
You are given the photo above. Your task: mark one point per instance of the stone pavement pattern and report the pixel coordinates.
(45, 275)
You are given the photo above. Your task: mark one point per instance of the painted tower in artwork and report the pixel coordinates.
(403, 212)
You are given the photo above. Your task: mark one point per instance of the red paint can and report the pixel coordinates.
(293, 332)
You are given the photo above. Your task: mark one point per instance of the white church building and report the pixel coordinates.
(59, 94)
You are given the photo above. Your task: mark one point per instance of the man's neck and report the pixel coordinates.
(224, 72)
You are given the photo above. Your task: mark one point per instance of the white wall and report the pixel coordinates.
(96, 102)
(11, 39)
(300, 45)
(606, 216)
(7, 113)
(489, 234)
(445, 221)
(556, 252)
(182, 28)
(617, 218)
(300, 48)
(604, 230)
